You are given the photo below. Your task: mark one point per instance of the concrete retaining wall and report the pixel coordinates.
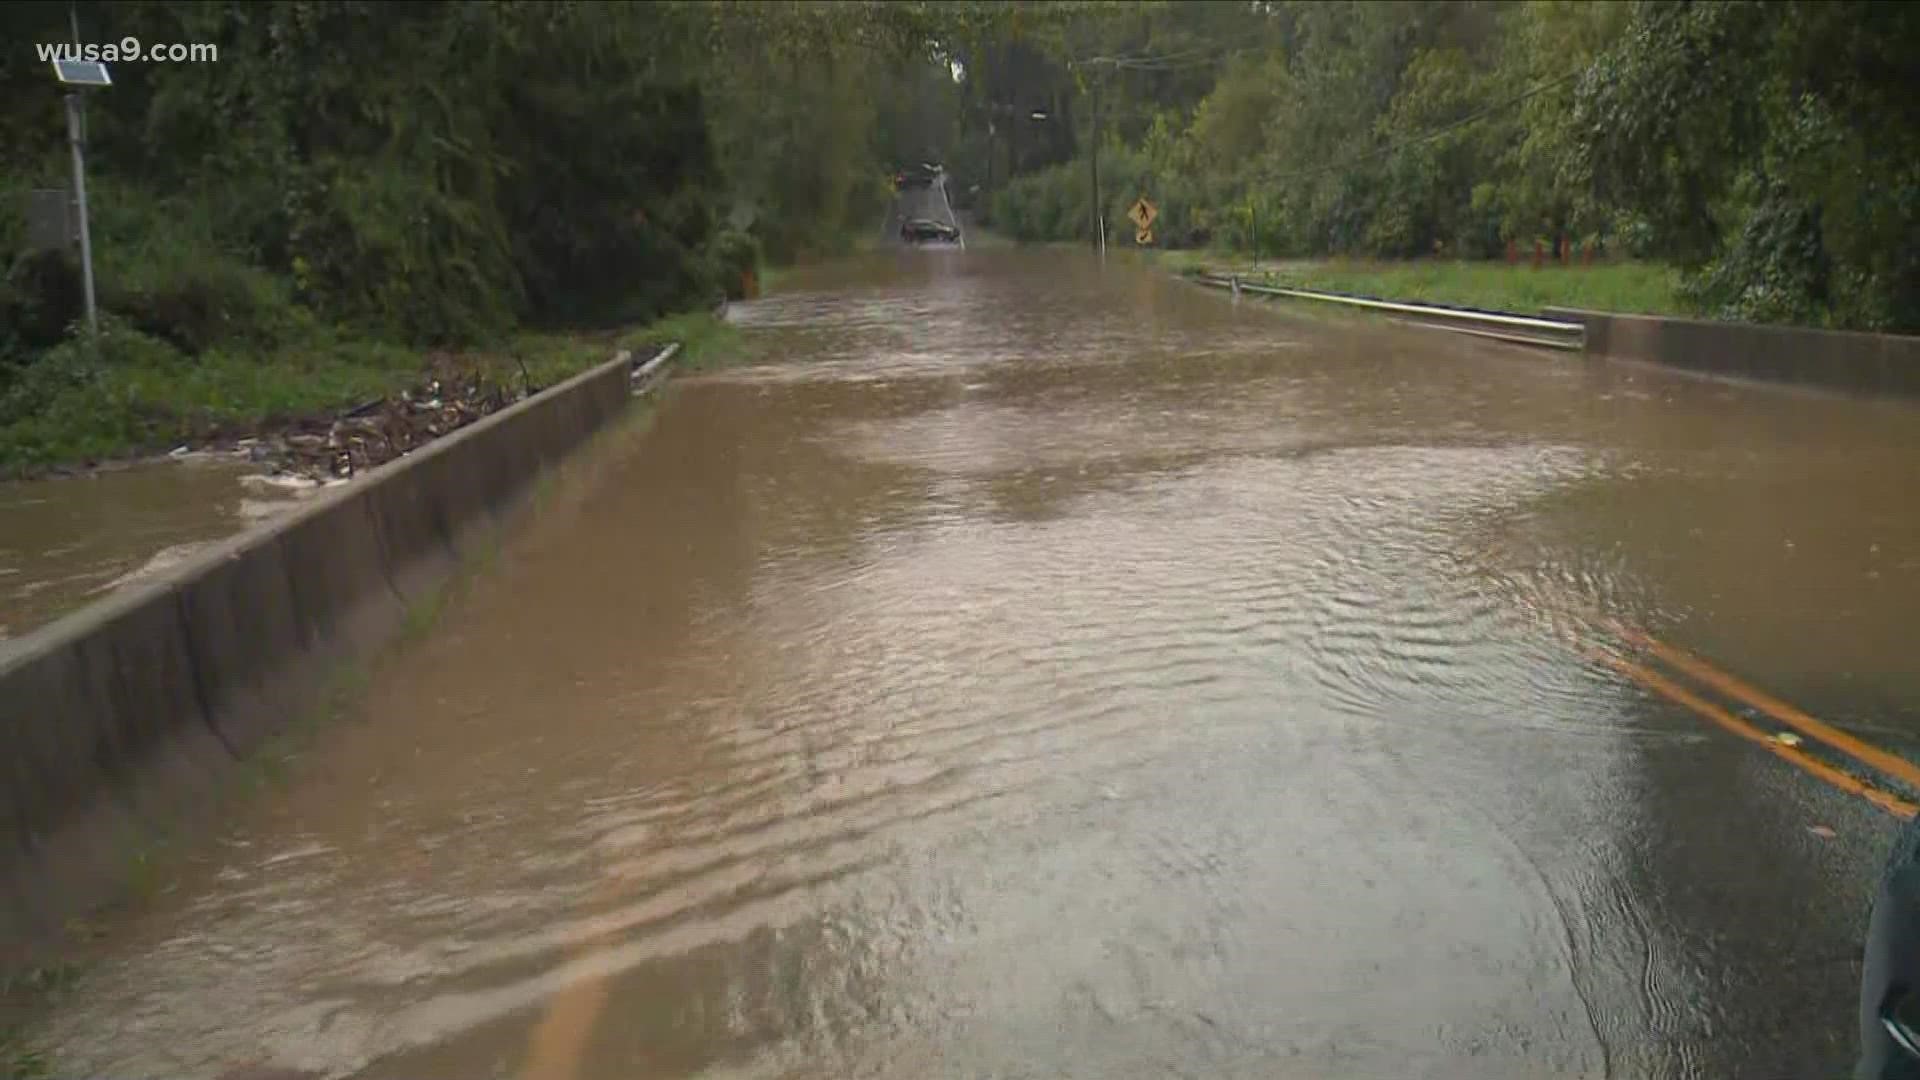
(126, 714)
(1834, 360)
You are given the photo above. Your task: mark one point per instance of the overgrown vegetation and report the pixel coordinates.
(703, 339)
(355, 183)
(1766, 149)
(85, 401)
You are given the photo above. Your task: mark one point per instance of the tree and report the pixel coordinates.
(437, 172)
(1772, 148)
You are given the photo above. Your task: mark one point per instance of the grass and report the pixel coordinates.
(1634, 287)
(704, 339)
(130, 395)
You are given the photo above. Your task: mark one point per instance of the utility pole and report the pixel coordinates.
(992, 151)
(1253, 213)
(1093, 159)
(1098, 213)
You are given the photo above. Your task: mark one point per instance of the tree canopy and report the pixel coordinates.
(436, 172)
(1764, 147)
(428, 171)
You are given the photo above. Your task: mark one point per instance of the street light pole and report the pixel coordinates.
(75, 140)
(76, 135)
(77, 75)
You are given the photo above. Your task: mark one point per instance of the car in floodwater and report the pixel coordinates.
(917, 176)
(928, 231)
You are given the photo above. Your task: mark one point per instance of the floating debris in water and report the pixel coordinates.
(267, 483)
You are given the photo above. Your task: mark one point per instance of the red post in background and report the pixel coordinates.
(1566, 251)
(1513, 252)
(1539, 254)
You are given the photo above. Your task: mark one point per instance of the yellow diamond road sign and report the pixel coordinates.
(1143, 213)
(1143, 237)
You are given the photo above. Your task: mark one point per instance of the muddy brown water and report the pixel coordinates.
(1035, 668)
(65, 541)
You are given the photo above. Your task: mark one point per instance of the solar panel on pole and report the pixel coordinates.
(82, 73)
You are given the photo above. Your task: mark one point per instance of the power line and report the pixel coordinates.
(1192, 56)
(1207, 59)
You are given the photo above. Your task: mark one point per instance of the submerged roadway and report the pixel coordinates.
(1028, 667)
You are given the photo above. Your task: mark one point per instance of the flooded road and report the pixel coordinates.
(1034, 668)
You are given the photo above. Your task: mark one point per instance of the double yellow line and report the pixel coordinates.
(1889, 765)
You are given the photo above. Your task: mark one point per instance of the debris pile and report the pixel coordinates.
(383, 429)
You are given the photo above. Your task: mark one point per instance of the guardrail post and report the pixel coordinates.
(1235, 278)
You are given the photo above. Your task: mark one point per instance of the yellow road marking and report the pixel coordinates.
(1674, 692)
(557, 1047)
(1892, 765)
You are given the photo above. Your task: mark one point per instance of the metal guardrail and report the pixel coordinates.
(644, 377)
(1500, 326)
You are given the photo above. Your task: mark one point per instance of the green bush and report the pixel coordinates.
(384, 249)
(1774, 269)
(77, 363)
(1051, 204)
(40, 296)
(169, 268)
(197, 303)
(1054, 203)
(69, 404)
(735, 254)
